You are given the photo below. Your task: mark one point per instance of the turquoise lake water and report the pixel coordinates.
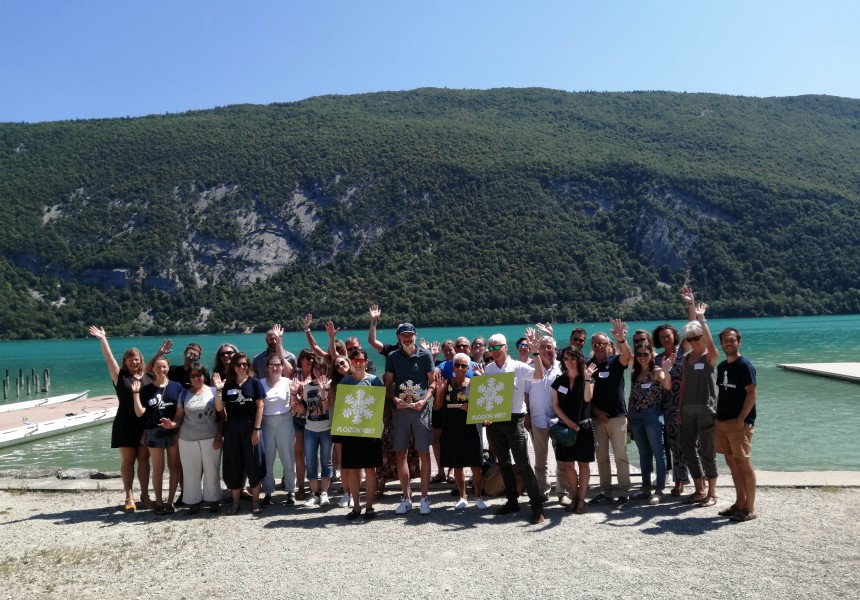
(804, 422)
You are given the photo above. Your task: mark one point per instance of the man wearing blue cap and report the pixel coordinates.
(408, 371)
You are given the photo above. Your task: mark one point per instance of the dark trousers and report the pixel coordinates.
(240, 457)
(509, 438)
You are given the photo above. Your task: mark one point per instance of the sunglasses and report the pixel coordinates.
(461, 345)
(495, 347)
(241, 365)
(578, 340)
(226, 353)
(643, 355)
(479, 344)
(488, 359)
(275, 365)
(694, 338)
(600, 345)
(460, 366)
(359, 361)
(351, 348)
(569, 359)
(520, 346)
(192, 355)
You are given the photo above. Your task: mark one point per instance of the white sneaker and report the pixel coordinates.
(425, 506)
(324, 499)
(345, 501)
(461, 504)
(480, 504)
(405, 506)
(312, 500)
(655, 499)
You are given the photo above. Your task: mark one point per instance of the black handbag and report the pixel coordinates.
(562, 435)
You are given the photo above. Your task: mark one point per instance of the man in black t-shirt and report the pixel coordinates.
(734, 425)
(609, 410)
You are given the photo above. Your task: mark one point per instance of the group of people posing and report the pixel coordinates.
(682, 408)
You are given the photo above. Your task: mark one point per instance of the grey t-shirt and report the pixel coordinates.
(201, 419)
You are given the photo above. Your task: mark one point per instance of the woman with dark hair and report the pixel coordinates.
(360, 453)
(242, 397)
(222, 359)
(571, 397)
(667, 338)
(313, 402)
(127, 429)
(302, 375)
(645, 414)
(201, 431)
(157, 402)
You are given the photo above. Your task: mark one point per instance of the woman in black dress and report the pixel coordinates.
(460, 442)
(127, 431)
(360, 452)
(571, 395)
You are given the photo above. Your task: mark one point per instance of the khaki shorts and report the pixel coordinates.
(731, 441)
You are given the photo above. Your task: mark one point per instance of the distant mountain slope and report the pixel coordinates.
(443, 206)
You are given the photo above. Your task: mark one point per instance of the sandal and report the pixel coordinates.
(438, 478)
(695, 498)
(678, 489)
(353, 514)
(146, 502)
(234, 508)
(728, 512)
(369, 513)
(743, 515)
(130, 506)
(194, 509)
(255, 508)
(169, 509)
(246, 495)
(159, 508)
(708, 501)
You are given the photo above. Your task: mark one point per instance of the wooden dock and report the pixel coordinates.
(849, 371)
(36, 422)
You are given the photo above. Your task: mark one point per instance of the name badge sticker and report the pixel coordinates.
(232, 392)
(646, 386)
(698, 366)
(603, 374)
(562, 389)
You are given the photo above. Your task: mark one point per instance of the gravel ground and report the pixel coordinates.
(81, 545)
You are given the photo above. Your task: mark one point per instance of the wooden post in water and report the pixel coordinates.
(35, 379)
(6, 385)
(20, 381)
(47, 379)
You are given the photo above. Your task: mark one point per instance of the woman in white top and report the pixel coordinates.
(278, 431)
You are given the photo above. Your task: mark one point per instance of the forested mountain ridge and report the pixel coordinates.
(499, 206)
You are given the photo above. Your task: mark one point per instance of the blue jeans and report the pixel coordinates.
(317, 447)
(647, 428)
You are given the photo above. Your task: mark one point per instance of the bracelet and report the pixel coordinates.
(258, 429)
(624, 341)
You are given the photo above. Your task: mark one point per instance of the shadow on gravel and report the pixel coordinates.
(667, 518)
(108, 515)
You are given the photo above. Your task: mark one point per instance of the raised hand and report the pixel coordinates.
(545, 328)
(532, 338)
(135, 386)
(619, 330)
(331, 330)
(590, 370)
(375, 312)
(166, 348)
(309, 318)
(701, 307)
(217, 382)
(435, 347)
(97, 332)
(425, 345)
(668, 363)
(278, 330)
(477, 368)
(687, 295)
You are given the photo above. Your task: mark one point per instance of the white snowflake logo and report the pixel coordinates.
(359, 403)
(411, 391)
(490, 394)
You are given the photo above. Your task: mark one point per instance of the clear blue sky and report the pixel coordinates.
(66, 59)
